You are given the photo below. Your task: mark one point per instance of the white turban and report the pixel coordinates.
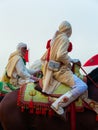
(65, 26)
(20, 45)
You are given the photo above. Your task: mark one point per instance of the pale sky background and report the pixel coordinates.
(35, 21)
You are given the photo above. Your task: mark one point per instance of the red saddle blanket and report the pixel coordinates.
(33, 100)
(38, 103)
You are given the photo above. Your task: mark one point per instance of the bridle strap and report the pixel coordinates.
(89, 77)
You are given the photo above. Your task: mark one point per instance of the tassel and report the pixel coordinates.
(43, 111)
(38, 112)
(31, 106)
(31, 110)
(22, 108)
(50, 112)
(96, 117)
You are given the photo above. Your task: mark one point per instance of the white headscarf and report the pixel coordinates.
(65, 27)
(20, 45)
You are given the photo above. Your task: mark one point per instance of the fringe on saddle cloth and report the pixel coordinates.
(38, 103)
(34, 101)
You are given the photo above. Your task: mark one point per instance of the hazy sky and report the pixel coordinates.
(35, 21)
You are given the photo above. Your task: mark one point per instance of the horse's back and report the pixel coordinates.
(10, 115)
(12, 118)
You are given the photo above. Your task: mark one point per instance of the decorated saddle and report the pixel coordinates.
(36, 102)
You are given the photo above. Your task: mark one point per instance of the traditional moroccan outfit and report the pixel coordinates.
(62, 74)
(58, 53)
(16, 70)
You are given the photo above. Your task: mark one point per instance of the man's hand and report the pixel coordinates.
(38, 74)
(75, 60)
(35, 78)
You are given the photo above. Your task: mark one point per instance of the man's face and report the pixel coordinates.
(23, 51)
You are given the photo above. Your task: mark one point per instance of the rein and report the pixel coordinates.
(89, 77)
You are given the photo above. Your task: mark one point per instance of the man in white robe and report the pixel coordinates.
(58, 69)
(16, 69)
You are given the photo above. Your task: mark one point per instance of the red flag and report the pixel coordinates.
(92, 61)
(26, 56)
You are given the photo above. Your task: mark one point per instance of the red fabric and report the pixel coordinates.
(73, 116)
(39, 108)
(31, 106)
(70, 47)
(48, 44)
(26, 56)
(96, 117)
(48, 54)
(92, 61)
(48, 50)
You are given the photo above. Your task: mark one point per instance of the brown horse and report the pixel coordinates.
(12, 118)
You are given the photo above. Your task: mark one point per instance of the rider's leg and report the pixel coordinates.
(79, 88)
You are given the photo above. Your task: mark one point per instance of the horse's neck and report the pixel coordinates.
(93, 91)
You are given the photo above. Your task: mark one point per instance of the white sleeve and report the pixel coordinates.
(74, 60)
(21, 69)
(33, 71)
